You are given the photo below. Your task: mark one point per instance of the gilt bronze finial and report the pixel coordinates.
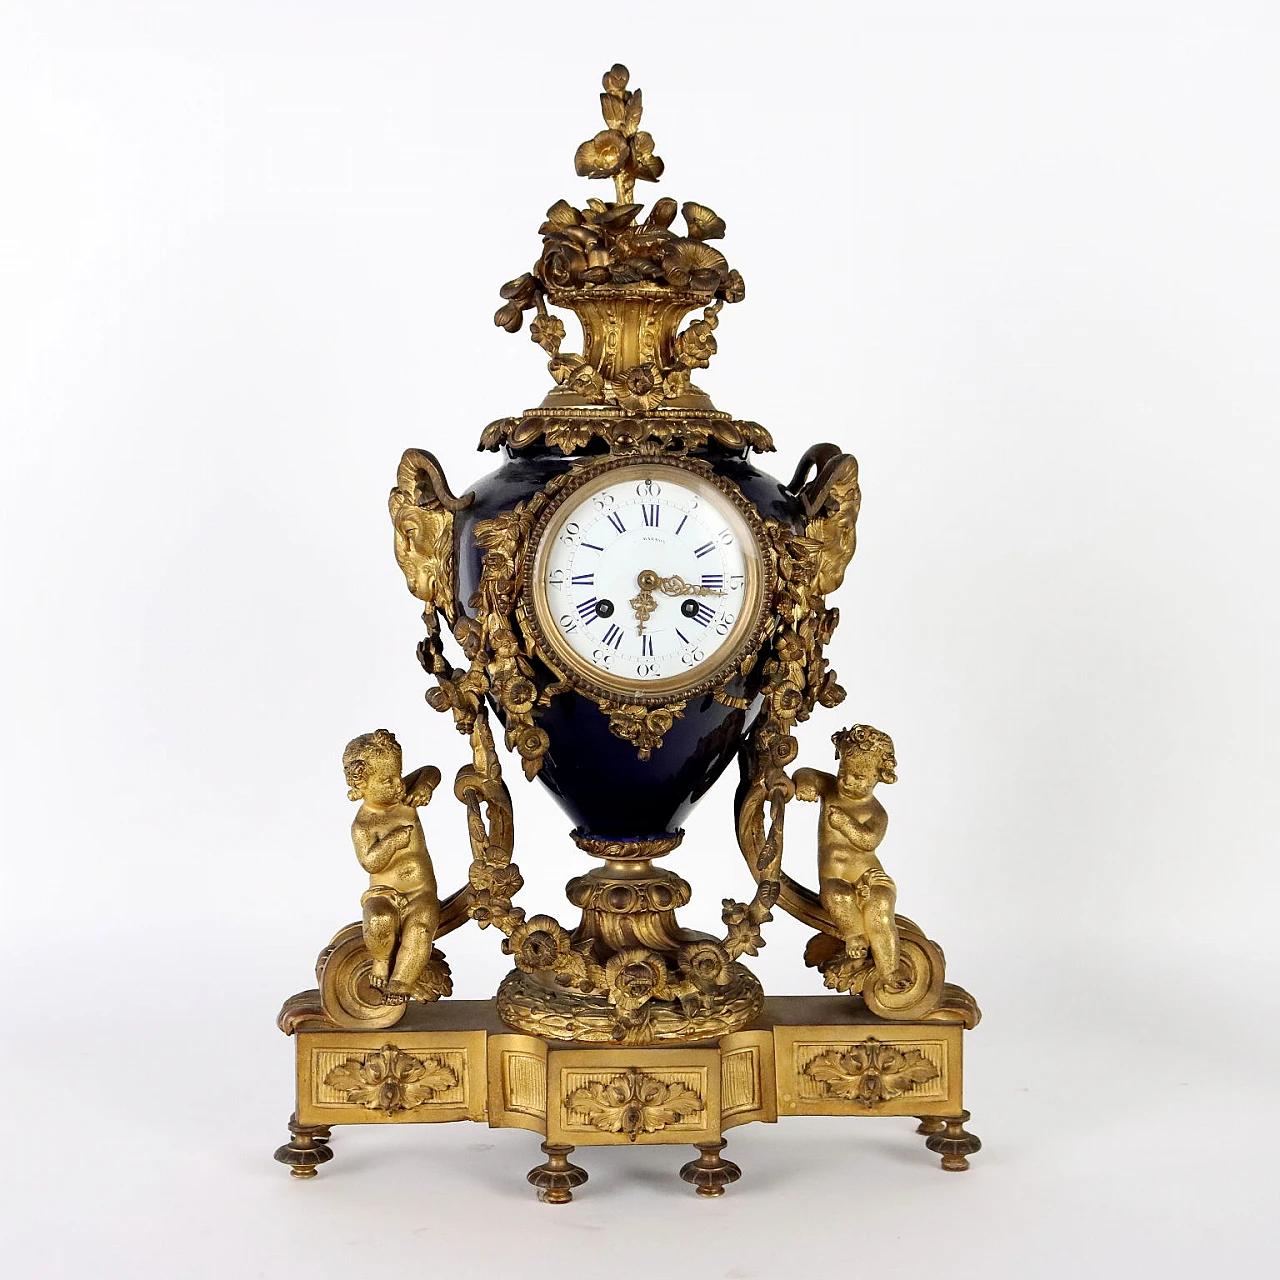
(631, 282)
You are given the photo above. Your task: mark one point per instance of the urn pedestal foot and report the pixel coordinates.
(556, 1178)
(709, 1173)
(526, 1005)
(954, 1143)
(308, 1148)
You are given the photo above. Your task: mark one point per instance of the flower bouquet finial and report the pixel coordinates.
(612, 250)
(622, 150)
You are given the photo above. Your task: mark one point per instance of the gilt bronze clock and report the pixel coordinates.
(626, 608)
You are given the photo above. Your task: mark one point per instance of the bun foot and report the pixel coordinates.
(556, 1178)
(308, 1149)
(954, 1143)
(709, 1173)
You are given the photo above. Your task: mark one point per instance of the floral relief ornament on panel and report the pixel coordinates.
(390, 1080)
(871, 1073)
(634, 1103)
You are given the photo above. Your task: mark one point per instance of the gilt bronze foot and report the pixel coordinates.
(930, 1125)
(954, 1143)
(308, 1148)
(709, 1173)
(556, 1178)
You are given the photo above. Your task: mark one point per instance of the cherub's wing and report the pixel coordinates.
(422, 507)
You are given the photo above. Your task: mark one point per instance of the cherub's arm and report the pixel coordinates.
(419, 785)
(374, 854)
(811, 784)
(867, 835)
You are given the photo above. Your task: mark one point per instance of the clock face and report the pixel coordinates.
(647, 579)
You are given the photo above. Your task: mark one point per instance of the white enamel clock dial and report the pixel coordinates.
(647, 579)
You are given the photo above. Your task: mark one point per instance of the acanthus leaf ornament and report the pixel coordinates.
(634, 1103)
(871, 1073)
(390, 1080)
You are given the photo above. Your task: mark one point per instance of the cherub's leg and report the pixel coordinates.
(381, 924)
(841, 902)
(880, 896)
(417, 932)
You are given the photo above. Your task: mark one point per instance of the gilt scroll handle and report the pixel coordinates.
(813, 474)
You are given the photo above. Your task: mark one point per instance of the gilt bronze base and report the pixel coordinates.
(457, 1060)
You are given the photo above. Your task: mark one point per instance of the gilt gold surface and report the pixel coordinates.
(422, 508)
(637, 1009)
(396, 1076)
(748, 1081)
(389, 1079)
(571, 430)
(630, 282)
(518, 1082)
(636, 1096)
(898, 978)
(804, 1055)
(872, 1073)
(401, 906)
(878, 1068)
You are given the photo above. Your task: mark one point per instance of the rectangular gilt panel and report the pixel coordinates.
(518, 1082)
(378, 1078)
(913, 1069)
(524, 1084)
(747, 1078)
(618, 1096)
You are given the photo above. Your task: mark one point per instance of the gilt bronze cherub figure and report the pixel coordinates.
(401, 906)
(854, 888)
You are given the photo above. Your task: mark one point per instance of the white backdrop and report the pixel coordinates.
(1020, 259)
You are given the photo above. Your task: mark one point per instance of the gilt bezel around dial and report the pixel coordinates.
(747, 628)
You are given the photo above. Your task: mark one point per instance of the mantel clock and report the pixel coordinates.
(626, 607)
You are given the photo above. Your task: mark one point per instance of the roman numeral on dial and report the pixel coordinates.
(587, 608)
(613, 636)
(704, 615)
(650, 513)
(616, 520)
(711, 581)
